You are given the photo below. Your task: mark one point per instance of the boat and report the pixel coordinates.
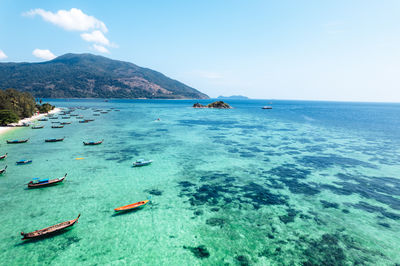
(57, 126)
(17, 141)
(93, 142)
(116, 110)
(142, 162)
(43, 119)
(2, 171)
(266, 107)
(73, 115)
(65, 123)
(89, 120)
(103, 112)
(65, 117)
(96, 114)
(53, 117)
(49, 230)
(37, 127)
(23, 162)
(83, 121)
(79, 117)
(55, 122)
(36, 182)
(3, 156)
(132, 206)
(54, 140)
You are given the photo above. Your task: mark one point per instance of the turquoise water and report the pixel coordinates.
(306, 183)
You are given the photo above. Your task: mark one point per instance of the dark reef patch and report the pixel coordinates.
(200, 252)
(327, 204)
(242, 260)
(215, 222)
(374, 209)
(330, 160)
(154, 192)
(289, 217)
(324, 251)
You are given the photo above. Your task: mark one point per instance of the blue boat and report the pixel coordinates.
(23, 162)
(142, 162)
(17, 141)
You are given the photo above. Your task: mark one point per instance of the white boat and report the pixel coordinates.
(142, 162)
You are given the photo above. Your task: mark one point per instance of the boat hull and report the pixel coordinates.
(132, 206)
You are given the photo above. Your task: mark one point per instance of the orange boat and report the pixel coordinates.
(131, 206)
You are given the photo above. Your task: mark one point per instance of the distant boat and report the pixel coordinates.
(17, 141)
(55, 122)
(131, 206)
(3, 156)
(2, 171)
(43, 119)
(79, 117)
(54, 140)
(93, 142)
(266, 107)
(53, 117)
(116, 110)
(57, 126)
(65, 117)
(73, 115)
(37, 127)
(103, 112)
(83, 121)
(49, 230)
(142, 162)
(23, 162)
(96, 114)
(65, 123)
(36, 182)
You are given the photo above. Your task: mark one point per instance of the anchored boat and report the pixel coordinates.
(54, 140)
(3, 156)
(23, 162)
(132, 206)
(49, 230)
(93, 143)
(17, 141)
(2, 171)
(142, 162)
(36, 182)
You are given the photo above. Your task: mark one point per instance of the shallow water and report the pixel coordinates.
(304, 183)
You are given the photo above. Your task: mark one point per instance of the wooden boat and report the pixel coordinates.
(17, 141)
(57, 126)
(3, 156)
(37, 127)
(93, 142)
(96, 114)
(65, 117)
(103, 112)
(36, 182)
(65, 123)
(266, 107)
(73, 115)
(55, 122)
(23, 162)
(43, 119)
(54, 140)
(83, 121)
(131, 206)
(89, 120)
(142, 162)
(49, 230)
(2, 171)
(79, 117)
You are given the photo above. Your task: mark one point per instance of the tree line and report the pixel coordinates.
(16, 105)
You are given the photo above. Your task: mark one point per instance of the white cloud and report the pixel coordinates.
(2, 55)
(96, 36)
(100, 48)
(43, 54)
(73, 19)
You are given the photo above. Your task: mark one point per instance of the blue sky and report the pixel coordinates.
(314, 50)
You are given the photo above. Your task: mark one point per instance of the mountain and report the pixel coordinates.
(92, 76)
(233, 97)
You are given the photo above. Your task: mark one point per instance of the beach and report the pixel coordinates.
(28, 120)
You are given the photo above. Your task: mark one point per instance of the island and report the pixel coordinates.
(234, 97)
(217, 105)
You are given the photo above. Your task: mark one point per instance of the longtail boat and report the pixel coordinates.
(66, 123)
(37, 127)
(65, 117)
(49, 230)
(96, 114)
(36, 182)
(93, 142)
(57, 126)
(43, 119)
(2, 171)
(73, 115)
(54, 140)
(3, 156)
(23, 162)
(17, 141)
(131, 206)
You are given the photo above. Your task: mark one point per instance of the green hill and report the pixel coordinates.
(87, 75)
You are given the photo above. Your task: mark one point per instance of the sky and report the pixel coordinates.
(342, 50)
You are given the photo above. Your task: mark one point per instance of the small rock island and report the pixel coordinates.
(217, 105)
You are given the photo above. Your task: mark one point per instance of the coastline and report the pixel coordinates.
(27, 120)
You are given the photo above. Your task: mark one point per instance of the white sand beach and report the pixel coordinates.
(27, 120)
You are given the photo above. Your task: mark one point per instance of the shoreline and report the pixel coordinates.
(27, 120)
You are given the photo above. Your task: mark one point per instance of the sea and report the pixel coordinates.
(304, 183)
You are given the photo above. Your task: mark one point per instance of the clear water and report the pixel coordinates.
(304, 183)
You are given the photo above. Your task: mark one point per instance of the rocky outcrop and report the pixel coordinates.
(217, 105)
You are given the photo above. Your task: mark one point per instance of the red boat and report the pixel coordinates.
(3, 156)
(45, 182)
